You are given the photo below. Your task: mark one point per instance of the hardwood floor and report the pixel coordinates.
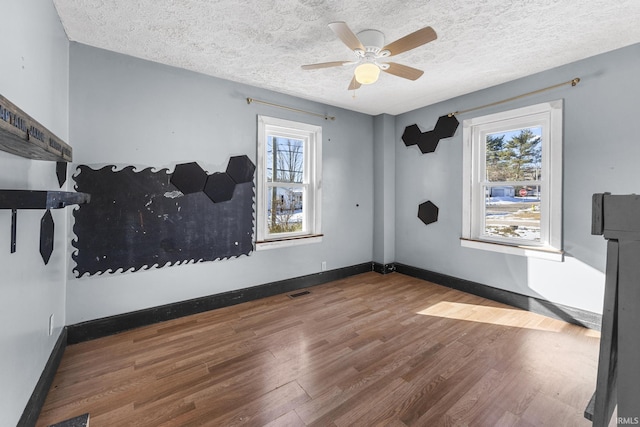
(373, 349)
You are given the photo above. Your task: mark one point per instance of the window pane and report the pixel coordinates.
(512, 212)
(285, 159)
(284, 209)
(514, 155)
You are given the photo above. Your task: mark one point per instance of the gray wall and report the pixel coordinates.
(34, 76)
(601, 153)
(126, 111)
(384, 189)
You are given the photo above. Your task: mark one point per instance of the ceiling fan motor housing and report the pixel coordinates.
(373, 41)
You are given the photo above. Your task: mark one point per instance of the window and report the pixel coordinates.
(289, 178)
(512, 194)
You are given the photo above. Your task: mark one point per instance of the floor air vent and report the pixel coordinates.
(299, 294)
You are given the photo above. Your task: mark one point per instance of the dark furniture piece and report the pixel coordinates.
(617, 218)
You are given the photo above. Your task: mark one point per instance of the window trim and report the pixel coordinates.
(549, 113)
(312, 136)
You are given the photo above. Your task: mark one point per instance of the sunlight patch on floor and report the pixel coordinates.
(493, 315)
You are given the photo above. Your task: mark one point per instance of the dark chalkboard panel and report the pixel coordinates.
(140, 220)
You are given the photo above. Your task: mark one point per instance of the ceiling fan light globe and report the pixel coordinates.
(367, 73)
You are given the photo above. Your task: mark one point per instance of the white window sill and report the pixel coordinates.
(291, 241)
(550, 254)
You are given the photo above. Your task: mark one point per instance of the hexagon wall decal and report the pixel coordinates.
(241, 169)
(411, 135)
(428, 142)
(446, 127)
(219, 187)
(188, 178)
(428, 212)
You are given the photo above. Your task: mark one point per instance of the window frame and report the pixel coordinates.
(547, 115)
(311, 135)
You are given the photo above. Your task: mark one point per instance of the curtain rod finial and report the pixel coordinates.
(575, 81)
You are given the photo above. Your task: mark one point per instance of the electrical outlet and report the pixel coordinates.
(323, 266)
(51, 325)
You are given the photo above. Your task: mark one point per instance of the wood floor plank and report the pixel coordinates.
(290, 419)
(388, 350)
(270, 406)
(548, 411)
(468, 408)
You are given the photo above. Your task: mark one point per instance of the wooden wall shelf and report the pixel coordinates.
(22, 135)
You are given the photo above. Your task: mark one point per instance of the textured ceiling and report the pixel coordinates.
(263, 43)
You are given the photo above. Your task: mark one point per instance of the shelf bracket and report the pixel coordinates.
(14, 219)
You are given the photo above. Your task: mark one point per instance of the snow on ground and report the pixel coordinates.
(508, 200)
(527, 233)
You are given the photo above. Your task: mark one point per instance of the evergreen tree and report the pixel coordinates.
(495, 162)
(524, 154)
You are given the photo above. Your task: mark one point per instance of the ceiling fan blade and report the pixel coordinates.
(354, 84)
(411, 41)
(345, 34)
(403, 71)
(325, 65)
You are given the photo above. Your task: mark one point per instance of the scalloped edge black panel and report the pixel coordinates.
(138, 220)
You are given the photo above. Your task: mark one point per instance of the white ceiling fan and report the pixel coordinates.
(371, 53)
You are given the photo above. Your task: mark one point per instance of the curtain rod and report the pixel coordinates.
(572, 82)
(324, 116)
